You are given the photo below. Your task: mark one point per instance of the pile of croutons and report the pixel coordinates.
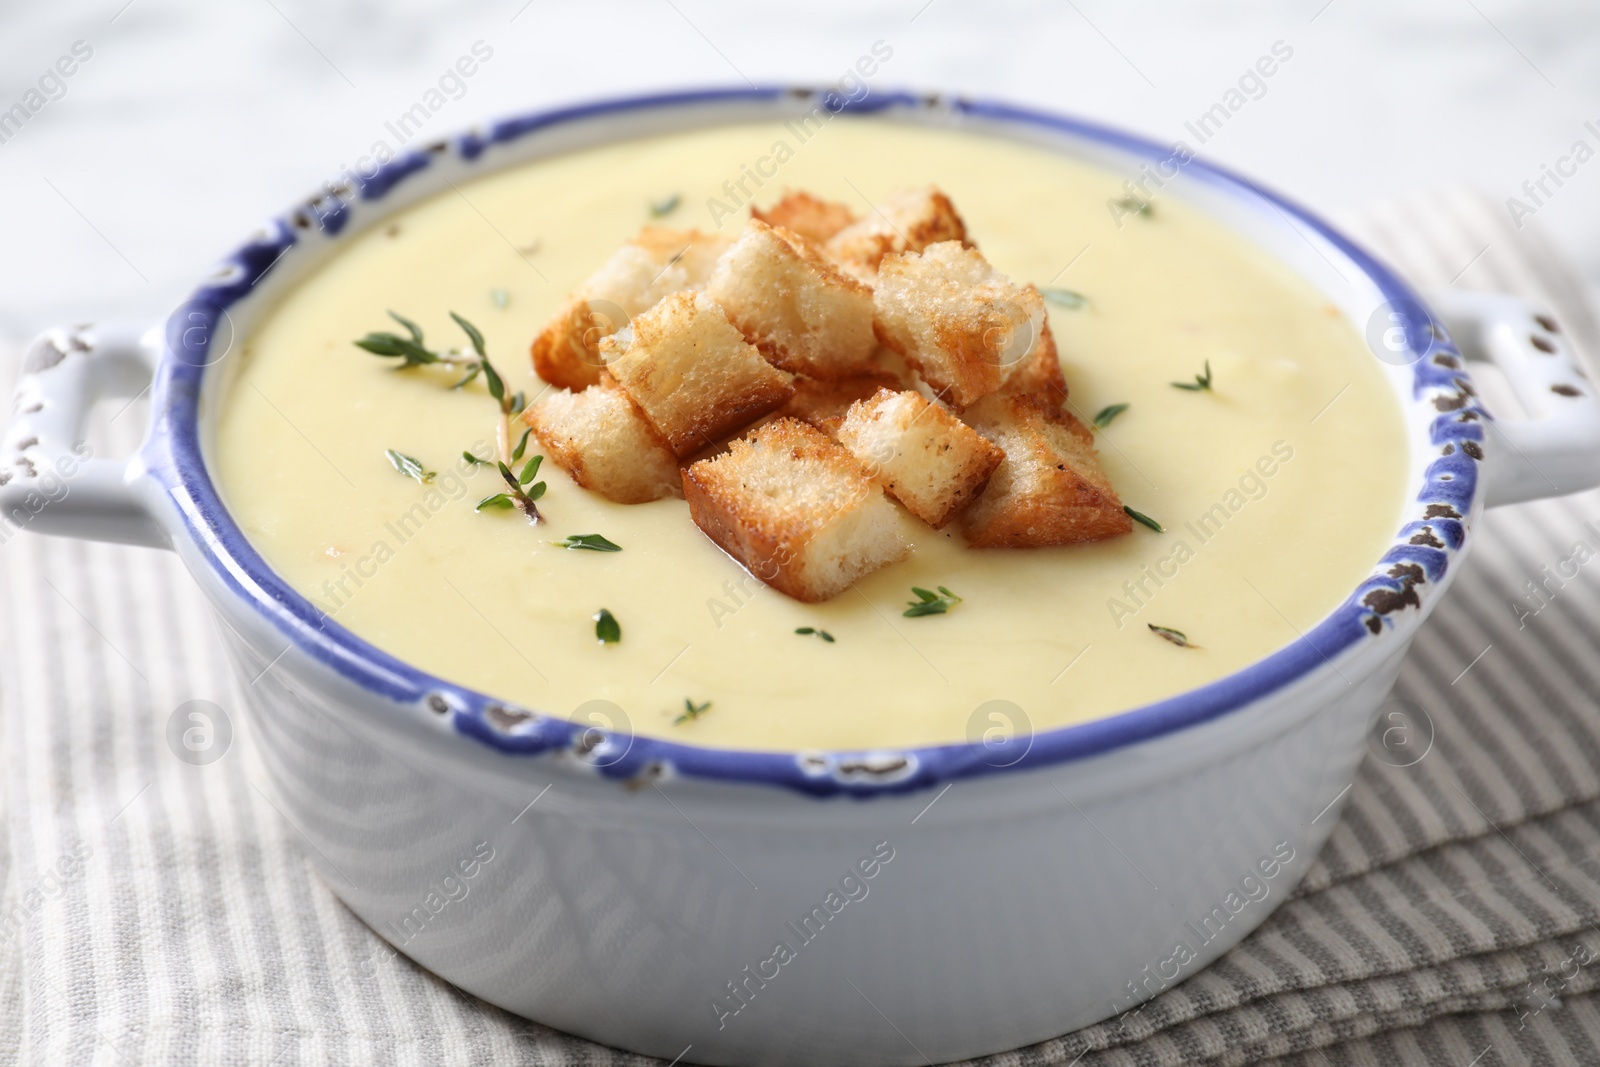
(791, 381)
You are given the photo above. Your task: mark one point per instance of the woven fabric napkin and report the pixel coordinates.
(157, 911)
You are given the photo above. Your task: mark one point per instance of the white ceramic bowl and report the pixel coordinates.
(934, 903)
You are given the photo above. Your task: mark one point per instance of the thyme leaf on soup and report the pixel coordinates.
(475, 461)
(1177, 637)
(1135, 206)
(521, 494)
(665, 206)
(1144, 520)
(1201, 383)
(412, 351)
(410, 466)
(607, 630)
(1103, 417)
(691, 711)
(1067, 298)
(930, 603)
(592, 542)
(825, 635)
(498, 501)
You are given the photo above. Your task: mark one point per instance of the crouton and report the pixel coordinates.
(926, 458)
(959, 321)
(908, 220)
(604, 442)
(1049, 489)
(691, 372)
(804, 314)
(795, 509)
(824, 404)
(655, 262)
(1039, 373)
(815, 220)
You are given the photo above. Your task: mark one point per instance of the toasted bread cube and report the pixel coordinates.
(655, 262)
(955, 318)
(926, 458)
(804, 314)
(908, 220)
(1050, 488)
(605, 443)
(1039, 374)
(824, 404)
(795, 509)
(815, 220)
(691, 372)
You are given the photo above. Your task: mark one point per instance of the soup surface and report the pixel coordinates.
(1278, 488)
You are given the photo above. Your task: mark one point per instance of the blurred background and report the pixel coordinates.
(183, 125)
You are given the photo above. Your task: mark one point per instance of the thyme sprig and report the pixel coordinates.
(691, 711)
(520, 494)
(930, 603)
(1201, 383)
(1103, 417)
(412, 350)
(410, 466)
(825, 635)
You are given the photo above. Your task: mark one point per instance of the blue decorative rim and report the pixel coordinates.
(1420, 554)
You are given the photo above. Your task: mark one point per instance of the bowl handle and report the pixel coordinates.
(50, 480)
(1555, 449)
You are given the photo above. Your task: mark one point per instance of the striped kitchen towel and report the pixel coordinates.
(161, 911)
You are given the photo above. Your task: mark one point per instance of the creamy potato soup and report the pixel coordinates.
(1278, 488)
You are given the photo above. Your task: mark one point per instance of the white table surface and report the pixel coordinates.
(193, 122)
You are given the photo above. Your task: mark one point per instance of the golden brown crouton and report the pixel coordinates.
(795, 509)
(823, 404)
(605, 443)
(655, 262)
(805, 314)
(1039, 374)
(815, 220)
(928, 459)
(691, 373)
(959, 321)
(1050, 489)
(908, 220)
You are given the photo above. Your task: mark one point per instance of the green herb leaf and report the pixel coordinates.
(518, 403)
(691, 711)
(412, 328)
(1177, 637)
(516, 453)
(530, 471)
(607, 630)
(1103, 418)
(476, 461)
(409, 466)
(665, 206)
(825, 635)
(1143, 519)
(1066, 298)
(471, 331)
(930, 603)
(498, 500)
(1136, 206)
(1201, 383)
(466, 379)
(592, 542)
(536, 490)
